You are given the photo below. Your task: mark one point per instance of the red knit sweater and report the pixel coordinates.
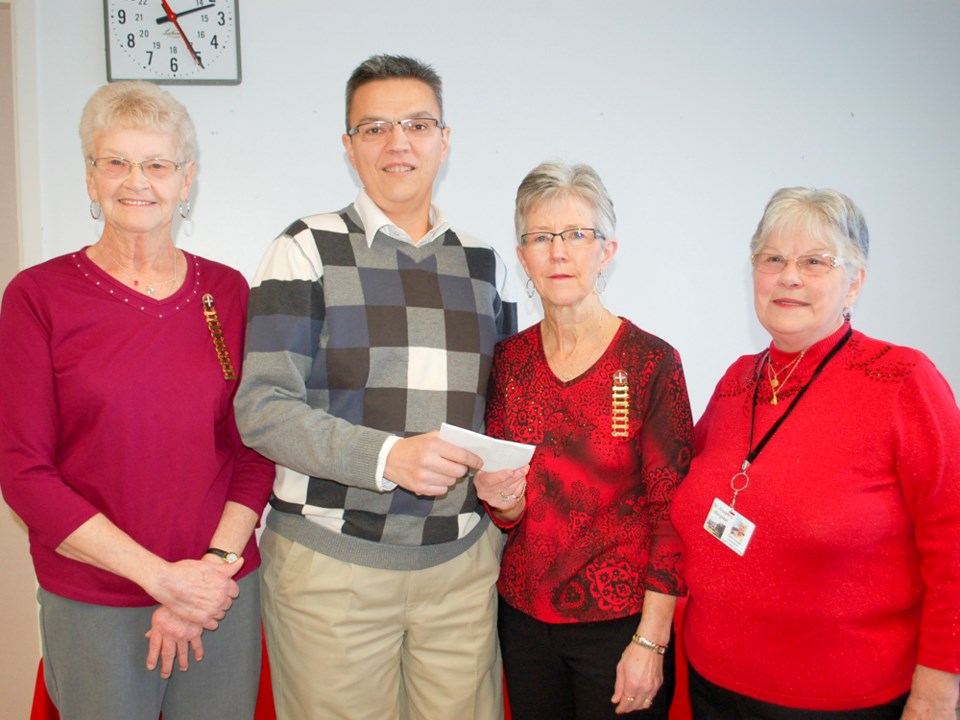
(852, 575)
(596, 532)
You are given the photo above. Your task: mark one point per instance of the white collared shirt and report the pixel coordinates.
(375, 220)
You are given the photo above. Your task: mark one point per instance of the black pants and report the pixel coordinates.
(567, 671)
(712, 702)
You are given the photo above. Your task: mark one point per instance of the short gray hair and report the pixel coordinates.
(551, 180)
(393, 67)
(139, 105)
(825, 214)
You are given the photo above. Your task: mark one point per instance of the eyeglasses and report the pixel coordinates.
(413, 128)
(118, 167)
(572, 238)
(772, 263)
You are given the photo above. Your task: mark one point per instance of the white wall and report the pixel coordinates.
(693, 113)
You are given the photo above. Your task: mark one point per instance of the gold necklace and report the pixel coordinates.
(774, 376)
(151, 290)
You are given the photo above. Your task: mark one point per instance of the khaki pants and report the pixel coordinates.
(357, 643)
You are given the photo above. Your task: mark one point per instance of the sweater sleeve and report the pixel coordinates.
(285, 319)
(29, 421)
(927, 426)
(665, 445)
(252, 473)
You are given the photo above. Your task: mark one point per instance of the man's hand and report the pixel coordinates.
(426, 465)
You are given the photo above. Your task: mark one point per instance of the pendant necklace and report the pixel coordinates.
(150, 289)
(740, 481)
(774, 377)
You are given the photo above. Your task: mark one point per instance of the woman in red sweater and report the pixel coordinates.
(118, 446)
(589, 576)
(821, 514)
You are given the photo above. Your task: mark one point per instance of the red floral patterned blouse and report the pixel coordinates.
(596, 532)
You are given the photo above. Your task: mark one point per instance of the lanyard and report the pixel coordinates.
(740, 481)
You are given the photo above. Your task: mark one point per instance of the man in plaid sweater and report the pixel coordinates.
(367, 329)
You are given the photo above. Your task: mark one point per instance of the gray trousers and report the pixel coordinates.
(94, 659)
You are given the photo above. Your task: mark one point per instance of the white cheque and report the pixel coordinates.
(496, 454)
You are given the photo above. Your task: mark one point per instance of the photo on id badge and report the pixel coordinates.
(728, 526)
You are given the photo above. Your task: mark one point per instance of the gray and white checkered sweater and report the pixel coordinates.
(348, 343)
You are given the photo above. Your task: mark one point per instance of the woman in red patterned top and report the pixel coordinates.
(589, 576)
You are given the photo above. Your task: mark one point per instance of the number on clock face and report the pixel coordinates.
(190, 41)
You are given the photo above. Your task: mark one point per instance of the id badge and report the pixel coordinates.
(729, 527)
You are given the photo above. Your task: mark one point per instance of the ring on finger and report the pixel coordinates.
(648, 702)
(627, 697)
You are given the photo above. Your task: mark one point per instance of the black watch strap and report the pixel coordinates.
(229, 557)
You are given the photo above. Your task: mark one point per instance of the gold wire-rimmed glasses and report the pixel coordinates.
(812, 264)
(114, 167)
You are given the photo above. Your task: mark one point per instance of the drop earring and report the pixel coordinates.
(597, 283)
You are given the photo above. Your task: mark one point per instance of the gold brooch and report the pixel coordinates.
(620, 405)
(216, 332)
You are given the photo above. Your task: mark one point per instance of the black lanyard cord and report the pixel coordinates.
(752, 455)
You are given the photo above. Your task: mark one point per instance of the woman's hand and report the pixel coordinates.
(171, 637)
(933, 695)
(640, 670)
(503, 490)
(639, 677)
(197, 591)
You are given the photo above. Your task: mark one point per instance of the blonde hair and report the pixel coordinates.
(140, 105)
(825, 214)
(551, 180)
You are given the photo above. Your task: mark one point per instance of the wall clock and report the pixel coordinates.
(173, 41)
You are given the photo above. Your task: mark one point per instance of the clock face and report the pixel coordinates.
(173, 41)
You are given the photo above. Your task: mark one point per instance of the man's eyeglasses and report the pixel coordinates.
(773, 263)
(379, 130)
(572, 238)
(118, 167)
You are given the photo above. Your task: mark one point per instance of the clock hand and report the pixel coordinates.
(166, 18)
(173, 18)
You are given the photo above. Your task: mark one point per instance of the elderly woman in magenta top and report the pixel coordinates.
(821, 514)
(118, 446)
(589, 576)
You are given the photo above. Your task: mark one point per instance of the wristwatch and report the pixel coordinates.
(228, 557)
